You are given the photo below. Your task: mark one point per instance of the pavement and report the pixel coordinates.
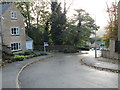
(100, 63)
(10, 71)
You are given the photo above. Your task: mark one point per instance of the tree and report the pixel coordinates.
(58, 20)
(79, 29)
(112, 27)
(42, 18)
(85, 26)
(25, 9)
(37, 20)
(54, 27)
(40, 12)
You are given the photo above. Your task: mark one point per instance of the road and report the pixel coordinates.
(65, 71)
(0, 78)
(10, 71)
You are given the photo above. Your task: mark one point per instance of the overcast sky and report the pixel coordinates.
(97, 9)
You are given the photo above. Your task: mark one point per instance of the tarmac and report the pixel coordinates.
(10, 71)
(66, 71)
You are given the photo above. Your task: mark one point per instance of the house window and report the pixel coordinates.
(15, 31)
(16, 46)
(13, 15)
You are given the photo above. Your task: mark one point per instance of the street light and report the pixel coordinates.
(95, 36)
(95, 45)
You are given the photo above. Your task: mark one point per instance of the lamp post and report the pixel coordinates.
(95, 45)
(95, 36)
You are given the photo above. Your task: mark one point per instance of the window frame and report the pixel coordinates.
(13, 15)
(17, 31)
(18, 47)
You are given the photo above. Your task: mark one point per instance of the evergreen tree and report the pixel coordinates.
(58, 21)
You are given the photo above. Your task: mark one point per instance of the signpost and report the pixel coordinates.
(102, 44)
(45, 44)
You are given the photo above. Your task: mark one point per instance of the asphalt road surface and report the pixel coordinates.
(65, 71)
(0, 78)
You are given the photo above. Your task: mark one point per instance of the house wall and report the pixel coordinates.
(8, 23)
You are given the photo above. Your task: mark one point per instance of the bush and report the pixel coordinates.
(43, 53)
(19, 57)
(39, 54)
(69, 51)
(54, 51)
(7, 61)
(29, 53)
(9, 58)
(22, 54)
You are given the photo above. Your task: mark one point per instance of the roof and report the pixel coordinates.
(28, 38)
(4, 7)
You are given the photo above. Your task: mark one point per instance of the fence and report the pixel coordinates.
(56, 47)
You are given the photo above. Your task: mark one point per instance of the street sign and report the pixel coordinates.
(102, 43)
(45, 43)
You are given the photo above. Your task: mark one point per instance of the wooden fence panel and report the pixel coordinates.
(56, 47)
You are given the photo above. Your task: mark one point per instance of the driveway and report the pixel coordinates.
(65, 71)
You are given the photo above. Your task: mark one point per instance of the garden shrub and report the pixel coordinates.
(19, 57)
(7, 61)
(43, 53)
(29, 53)
(20, 54)
(69, 51)
(9, 58)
